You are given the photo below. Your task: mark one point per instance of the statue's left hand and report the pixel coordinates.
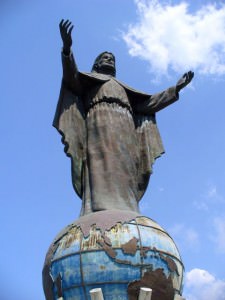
(184, 80)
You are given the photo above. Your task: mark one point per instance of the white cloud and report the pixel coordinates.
(170, 37)
(198, 277)
(201, 285)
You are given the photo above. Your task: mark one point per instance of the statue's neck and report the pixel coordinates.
(106, 71)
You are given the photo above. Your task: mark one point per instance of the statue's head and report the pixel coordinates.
(105, 64)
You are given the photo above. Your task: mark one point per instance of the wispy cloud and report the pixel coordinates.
(209, 199)
(214, 195)
(170, 37)
(219, 234)
(186, 237)
(201, 205)
(201, 285)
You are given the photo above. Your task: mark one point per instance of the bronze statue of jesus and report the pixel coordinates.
(109, 131)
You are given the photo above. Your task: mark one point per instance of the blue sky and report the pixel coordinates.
(154, 42)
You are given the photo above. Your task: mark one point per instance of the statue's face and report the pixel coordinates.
(106, 63)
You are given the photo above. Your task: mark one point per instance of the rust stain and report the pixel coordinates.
(171, 264)
(109, 250)
(162, 287)
(73, 235)
(104, 220)
(121, 261)
(92, 241)
(119, 228)
(116, 228)
(58, 283)
(48, 283)
(130, 247)
(107, 240)
(143, 251)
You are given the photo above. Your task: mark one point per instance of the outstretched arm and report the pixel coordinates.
(161, 100)
(70, 71)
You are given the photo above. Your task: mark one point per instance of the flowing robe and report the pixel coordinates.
(110, 133)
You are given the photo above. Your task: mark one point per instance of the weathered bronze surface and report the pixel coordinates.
(109, 131)
(123, 242)
(162, 287)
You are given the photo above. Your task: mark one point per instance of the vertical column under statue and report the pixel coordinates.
(110, 133)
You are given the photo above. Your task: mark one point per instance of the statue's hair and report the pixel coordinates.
(95, 65)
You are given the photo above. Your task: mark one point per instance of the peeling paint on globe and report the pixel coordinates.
(118, 251)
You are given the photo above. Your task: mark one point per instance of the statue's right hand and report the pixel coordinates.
(66, 28)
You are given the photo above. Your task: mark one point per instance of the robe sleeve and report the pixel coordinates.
(69, 120)
(157, 102)
(71, 76)
(149, 140)
(150, 148)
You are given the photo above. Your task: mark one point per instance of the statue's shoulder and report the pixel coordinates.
(103, 78)
(132, 90)
(94, 76)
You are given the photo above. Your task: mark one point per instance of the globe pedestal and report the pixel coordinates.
(117, 251)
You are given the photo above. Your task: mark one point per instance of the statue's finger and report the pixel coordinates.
(61, 22)
(70, 30)
(65, 23)
(63, 28)
(68, 25)
(191, 74)
(185, 79)
(187, 76)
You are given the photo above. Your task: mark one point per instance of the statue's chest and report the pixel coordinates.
(106, 90)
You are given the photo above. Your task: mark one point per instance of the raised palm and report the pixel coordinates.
(66, 28)
(184, 80)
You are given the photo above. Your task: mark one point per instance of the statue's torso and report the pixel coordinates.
(108, 91)
(111, 155)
